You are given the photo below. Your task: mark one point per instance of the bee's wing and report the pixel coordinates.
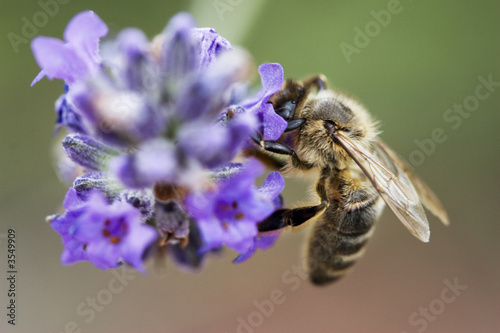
(403, 170)
(401, 198)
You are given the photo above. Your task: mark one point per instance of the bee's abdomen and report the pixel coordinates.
(339, 237)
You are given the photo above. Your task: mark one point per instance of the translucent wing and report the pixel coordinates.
(400, 196)
(403, 170)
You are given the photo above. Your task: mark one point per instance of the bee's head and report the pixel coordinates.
(327, 113)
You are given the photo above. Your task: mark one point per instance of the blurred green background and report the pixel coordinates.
(410, 72)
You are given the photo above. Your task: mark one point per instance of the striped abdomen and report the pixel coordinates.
(339, 236)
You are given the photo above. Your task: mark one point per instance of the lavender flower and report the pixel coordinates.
(228, 215)
(155, 131)
(76, 58)
(102, 233)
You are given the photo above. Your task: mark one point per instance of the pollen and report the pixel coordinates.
(115, 240)
(239, 216)
(106, 233)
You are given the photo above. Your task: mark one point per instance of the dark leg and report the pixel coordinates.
(295, 217)
(318, 81)
(279, 148)
(294, 124)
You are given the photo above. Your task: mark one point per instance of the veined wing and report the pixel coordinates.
(401, 198)
(403, 170)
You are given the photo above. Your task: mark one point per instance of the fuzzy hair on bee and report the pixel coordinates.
(334, 136)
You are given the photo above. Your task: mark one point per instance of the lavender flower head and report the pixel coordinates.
(153, 126)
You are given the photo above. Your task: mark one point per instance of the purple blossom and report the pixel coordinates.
(103, 233)
(228, 215)
(161, 114)
(270, 190)
(272, 124)
(77, 57)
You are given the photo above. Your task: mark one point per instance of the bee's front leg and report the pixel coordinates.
(282, 149)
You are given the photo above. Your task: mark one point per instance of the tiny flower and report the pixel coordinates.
(270, 189)
(78, 56)
(229, 214)
(111, 233)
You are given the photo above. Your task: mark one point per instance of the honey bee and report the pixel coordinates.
(357, 173)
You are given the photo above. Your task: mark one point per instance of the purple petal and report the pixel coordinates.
(263, 241)
(103, 256)
(83, 33)
(272, 186)
(245, 255)
(57, 60)
(212, 234)
(71, 200)
(271, 76)
(73, 252)
(139, 238)
(239, 236)
(273, 124)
